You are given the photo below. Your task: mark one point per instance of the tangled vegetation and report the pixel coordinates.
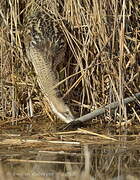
(102, 63)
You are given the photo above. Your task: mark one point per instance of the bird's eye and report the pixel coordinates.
(67, 112)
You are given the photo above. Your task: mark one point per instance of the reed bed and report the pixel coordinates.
(102, 64)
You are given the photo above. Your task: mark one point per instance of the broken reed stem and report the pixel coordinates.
(101, 111)
(111, 106)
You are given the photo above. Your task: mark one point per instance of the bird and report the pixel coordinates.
(46, 45)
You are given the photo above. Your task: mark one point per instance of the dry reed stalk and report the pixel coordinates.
(103, 54)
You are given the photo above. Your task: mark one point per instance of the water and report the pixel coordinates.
(97, 159)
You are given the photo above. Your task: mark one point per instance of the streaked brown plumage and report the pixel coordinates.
(46, 48)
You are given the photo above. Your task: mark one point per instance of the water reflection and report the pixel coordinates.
(95, 162)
